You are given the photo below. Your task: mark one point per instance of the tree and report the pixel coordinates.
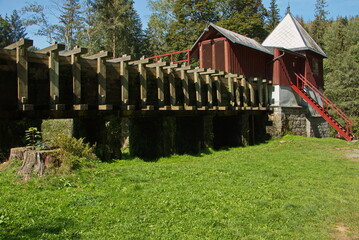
(119, 24)
(273, 16)
(35, 15)
(17, 29)
(245, 17)
(70, 23)
(4, 31)
(320, 22)
(341, 79)
(160, 21)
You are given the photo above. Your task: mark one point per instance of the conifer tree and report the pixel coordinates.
(320, 22)
(17, 29)
(273, 16)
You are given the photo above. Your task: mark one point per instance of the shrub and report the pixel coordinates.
(73, 153)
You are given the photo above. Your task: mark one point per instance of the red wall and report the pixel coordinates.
(313, 75)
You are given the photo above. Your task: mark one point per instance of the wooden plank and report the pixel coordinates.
(231, 75)
(221, 73)
(54, 71)
(160, 87)
(23, 42)
(76, 51)
(196, 70)
(101, 80)
(55, 47)
(209, 72)
(197, 82)
(237, 92)
(101, 54)
(172, 66)
(185, 86)
(217, 82)
(231, 90)
(260, 93)
(157, 64)
(139, 61)
(266, 93)
(143, 84)
(209, 91)
(244, 87)
(252, 92)
(171, 79)
(22, 78)
(124, 58)
(76, 78)
(124, 83)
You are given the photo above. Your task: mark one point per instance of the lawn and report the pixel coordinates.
(289, 188)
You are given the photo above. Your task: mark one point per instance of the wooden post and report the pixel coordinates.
(265, 88)
(172, 83)
(53, 52)
(244, 86)
(251, 92)
(76, 75)
(22, 73)
(160, 83)
(143, 82)
(260, 93)
(101, 78)
(208, 76)
(217, 81)
(185, 86)
(237, 91)
(230, 88)
(198, 86)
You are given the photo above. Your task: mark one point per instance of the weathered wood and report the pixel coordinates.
(185, 85)
(237, 92)
(76, 51)
(157, 64)
(260, 93)
(76, 78)
(18, 153)
(266, 95)
(143, 84)
(23, 42)
(197, 82)
(124, 83)
(160, 86)
(217, 82)
(209, 91)
(230, 89)
(244, 86)
(101, 54)
(140, 61)
(55, 47)
(252, 92)
(124, 58)
(172, 83)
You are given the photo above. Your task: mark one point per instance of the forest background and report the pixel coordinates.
(174, 25)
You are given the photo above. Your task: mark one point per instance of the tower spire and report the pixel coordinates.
(288, 9)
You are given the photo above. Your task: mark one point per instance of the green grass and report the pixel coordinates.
(290, 188)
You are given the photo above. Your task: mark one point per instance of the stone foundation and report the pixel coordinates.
(297, 121)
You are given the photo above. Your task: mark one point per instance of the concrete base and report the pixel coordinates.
(297, 121)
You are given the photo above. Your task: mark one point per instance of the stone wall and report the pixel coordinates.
(297, 121)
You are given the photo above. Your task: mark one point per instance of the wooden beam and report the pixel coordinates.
(185, 85)
(209, 90)
(230, 90)
(197, 82)
(171, 66)
(260, 93)
(101, 80)
(76, 78)
(54, 73)
(171, 79)
(266, 93)
(237, 92)
(124, 58)
(244, 86)
(252, 92)
(124, 84)
(23, 42)
(101, 54)
(197, 70)
(160, 86)
(76, 51)
(56, 47)
(220, 73)
(143, 84)
(157, 64)
(217, 82)
(209, 72)
(140, 61)
(22, 77)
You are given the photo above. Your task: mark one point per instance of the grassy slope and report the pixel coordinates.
(297, 189)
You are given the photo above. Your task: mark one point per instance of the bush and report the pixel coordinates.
(73, 153)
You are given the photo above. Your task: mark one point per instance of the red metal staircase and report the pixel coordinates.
(302, 86)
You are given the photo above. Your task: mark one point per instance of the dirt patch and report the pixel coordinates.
(342, 233)
(353, 155)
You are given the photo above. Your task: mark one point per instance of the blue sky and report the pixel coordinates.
(303, 8)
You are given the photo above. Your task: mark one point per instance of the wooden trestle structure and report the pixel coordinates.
(53, 83)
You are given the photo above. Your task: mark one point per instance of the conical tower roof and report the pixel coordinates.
(291, 35)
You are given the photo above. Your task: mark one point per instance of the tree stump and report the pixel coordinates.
(34, 161)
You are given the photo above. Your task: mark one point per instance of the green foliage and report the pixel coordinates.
(301, 188)
(73, 153)
(341, 41)
(33, 136)
(273, 16)
(12, 29)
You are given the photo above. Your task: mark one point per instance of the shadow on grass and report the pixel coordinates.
(53, 229)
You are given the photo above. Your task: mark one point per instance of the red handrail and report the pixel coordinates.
(188, 60)
(302, 82)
